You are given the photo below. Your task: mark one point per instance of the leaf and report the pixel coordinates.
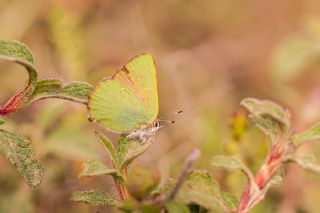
(1, 122)
(19, 151)
(270, 117)
(17, 52)
(129, 149)
(53, 88)
(277, 178)
(173, 206)
(200, 189)
(149, 208)
(37, 90)
(230, 200)
(233, 163)
(94, 197)
(109, 147)
(311, 134)
(308, 162)
(96, 168)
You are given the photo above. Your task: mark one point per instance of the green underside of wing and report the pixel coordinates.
(118, 107)
(115, 106)
(143, 70)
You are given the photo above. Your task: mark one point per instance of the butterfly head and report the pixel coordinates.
(150, 131)
(146, 133)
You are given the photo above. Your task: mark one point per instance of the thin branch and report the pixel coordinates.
(194, 155)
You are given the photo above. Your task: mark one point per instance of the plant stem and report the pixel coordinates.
(188, 164)
(121, 190)
(255, 192)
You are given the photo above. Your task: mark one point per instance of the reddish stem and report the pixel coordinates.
(254, 192)
(121, 190)
(13, 103)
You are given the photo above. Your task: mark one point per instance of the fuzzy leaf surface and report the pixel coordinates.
(94, 197)
(173, 206)
(109, 147)
(54, 88)
(17, 52)
(232, 163)
(129, 149)
(311, 134)
(308, 162)
(268, 116)
(96, 168)
(19, 151)
(200, 189)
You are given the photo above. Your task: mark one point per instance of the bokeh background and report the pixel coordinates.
(210, 55)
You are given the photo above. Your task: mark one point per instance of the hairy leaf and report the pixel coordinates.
(277, 178)
(96, 168)
(233, 163)
(200, 189)
(230, 200)
(311, 134)
(94, 197)
(270, 117)
(173, 206)
(17, 52)
(308, 162)
(129, 149)
(109, 147)
(36, 90)
(19, 151)
(53, 88)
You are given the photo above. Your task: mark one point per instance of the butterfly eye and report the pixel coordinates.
(157, 124)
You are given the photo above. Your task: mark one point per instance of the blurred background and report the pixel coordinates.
(210, 55)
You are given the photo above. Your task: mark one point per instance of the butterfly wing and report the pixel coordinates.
(129, 99)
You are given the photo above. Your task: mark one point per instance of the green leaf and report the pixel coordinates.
(270, 117)
(37, 90)
(17, 52)
(308, 162)
(278, 177)
(109, 147)
(230, 200)
(53, 88)
(200, 189)
(19, 151)
(129, 149)
(149, 208)
(173, 206)
(233, 163)
(311, 134)
(96, 168)
(94, 197)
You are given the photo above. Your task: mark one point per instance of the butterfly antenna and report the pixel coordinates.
(162, 118)
(167, 121)
(172, 113)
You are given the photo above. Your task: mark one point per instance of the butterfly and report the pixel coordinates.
(127, 101)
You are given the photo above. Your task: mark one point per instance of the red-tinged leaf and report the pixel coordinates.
(20, 54)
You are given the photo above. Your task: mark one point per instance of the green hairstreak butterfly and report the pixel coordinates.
(127, 101)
